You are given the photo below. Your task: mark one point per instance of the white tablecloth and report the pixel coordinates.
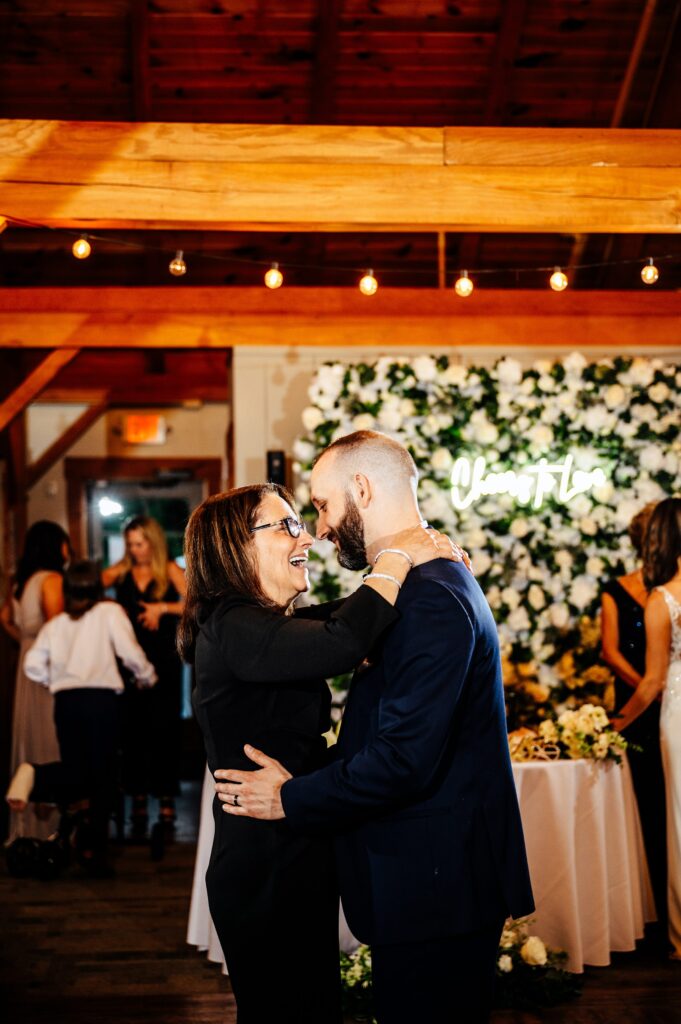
(586, 855)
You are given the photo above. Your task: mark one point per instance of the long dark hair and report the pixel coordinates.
(218, 552)
(82, 588)
(662, 543)
(42, 551)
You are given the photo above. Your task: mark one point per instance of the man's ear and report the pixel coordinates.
(362, 490)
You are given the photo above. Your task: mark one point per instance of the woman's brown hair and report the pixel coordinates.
(218, 552)
(662, 543)
(638, 526)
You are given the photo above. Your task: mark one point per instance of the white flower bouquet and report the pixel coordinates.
(584, 732)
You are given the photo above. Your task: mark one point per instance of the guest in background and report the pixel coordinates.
(74, 655)
(151, 589)
(623, 604)
(36, 598)
(662, 578)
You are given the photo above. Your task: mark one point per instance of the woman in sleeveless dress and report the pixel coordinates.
(662, 576)
(151, 589)
(37, 597)
(623, 602)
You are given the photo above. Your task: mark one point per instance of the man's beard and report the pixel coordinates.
(349, 535)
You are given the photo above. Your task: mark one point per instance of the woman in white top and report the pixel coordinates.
(37, 597)
(74, 655)
(662, 576)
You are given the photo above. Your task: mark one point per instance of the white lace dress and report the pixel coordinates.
(670, 743)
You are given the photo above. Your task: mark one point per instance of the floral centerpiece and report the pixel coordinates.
(603, 439)
(529, 974)
(584, 732)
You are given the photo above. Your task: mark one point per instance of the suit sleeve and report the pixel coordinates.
(426, 664)
(263, 646)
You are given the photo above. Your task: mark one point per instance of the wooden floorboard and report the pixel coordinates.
(77, 951)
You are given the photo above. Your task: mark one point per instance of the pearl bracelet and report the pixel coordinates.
(395, 551)
(381, 576)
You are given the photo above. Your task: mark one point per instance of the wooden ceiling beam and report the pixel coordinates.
(164, 318)
(34, 383)
(89, 175)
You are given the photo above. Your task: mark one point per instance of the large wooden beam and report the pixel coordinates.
(222, 317)
(36, 382)
(339, 178)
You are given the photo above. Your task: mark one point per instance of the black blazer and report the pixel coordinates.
(421, 795)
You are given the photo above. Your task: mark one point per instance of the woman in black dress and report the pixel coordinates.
(624, 648)
(260, 679)
(151, 589)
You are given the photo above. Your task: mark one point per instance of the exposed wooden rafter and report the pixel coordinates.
(35, 382)
(216, 318)
(315, 177)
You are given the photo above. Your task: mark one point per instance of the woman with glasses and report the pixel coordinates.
(260, 679)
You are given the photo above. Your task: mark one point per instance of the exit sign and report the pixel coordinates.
(145, 429)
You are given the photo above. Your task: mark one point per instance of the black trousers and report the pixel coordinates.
(87, 723)
(439, 981)
(151, 738)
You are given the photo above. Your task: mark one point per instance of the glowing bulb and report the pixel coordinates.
(274, 277)
(177, 266)
(109, 507)
(558, 280)
(81, 248)
(650, 273)
(368, 285)
(463, 286)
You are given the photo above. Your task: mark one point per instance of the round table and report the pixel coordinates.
(587, 860)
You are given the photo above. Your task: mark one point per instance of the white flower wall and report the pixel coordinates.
(540, 567)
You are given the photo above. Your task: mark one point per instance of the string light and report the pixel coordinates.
(463, 285)
(177, 266)
(81, 248)
(368, 285)
(274, 277)
(650, 273)
(558, 280)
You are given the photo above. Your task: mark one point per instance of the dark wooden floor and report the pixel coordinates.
(77, 951)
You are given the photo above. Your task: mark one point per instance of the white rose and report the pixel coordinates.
(646, 413)
(615, 396)
(455, 375)
(541, 436)
(505, 963)
(365, 421)
(598, 419)
(671, 463)
(574, 363)
(519, 528)
(652, 458)
(441, 460)
(390, 418)
(481, 562)
(560, 615)
(487, 433)
(533, 951)
(595, 566)
(510, 597)
(565, 400)
(425, 368)
(641, 372)
(580, 506)
(326, 401)
(407, 407)
(659, 392)
(588, 526)
(493, 597)
(312, 417)
(444, 420)
(564, 559)
(519, 619)
(302, 494)
(604, 492)
(546, 383)
(582, 592)
(475, 537)
(535, 596)
(303, 450)
(509, 371)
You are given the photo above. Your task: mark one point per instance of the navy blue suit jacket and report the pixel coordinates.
(420, 794)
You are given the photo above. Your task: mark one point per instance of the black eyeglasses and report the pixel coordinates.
(294, 527)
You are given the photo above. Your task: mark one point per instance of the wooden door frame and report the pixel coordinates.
(80, 471)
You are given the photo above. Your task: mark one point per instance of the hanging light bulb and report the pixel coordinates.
(463, 286)
(368, 285)
(650, 273)
(274, 277)
(558, 280)
(177, 266)
(81, 248)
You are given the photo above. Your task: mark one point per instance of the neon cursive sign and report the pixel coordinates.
(471, 481)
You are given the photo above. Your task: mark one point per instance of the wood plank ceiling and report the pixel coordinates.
(518, 63)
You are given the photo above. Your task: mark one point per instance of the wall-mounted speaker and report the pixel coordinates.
(276, 467)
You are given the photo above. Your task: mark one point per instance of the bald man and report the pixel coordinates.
(420, 795)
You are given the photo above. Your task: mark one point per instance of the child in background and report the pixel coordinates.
(75, 655)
